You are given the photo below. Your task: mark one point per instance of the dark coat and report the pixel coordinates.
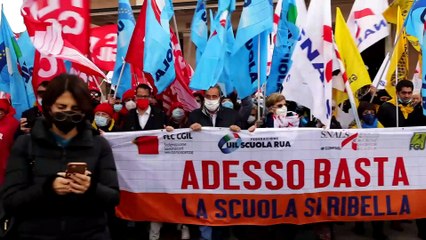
(387, 116)
(156, 120)
(225, 118)
(34, 161)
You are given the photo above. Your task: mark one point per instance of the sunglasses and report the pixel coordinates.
(280, 105)
(75, 117)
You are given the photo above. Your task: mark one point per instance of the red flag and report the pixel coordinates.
(46, 68)
(103, 46)
(60, 29)
(136, 47)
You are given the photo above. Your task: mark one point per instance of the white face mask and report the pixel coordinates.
(178, 114)
(211, 105)
(101, 121)
(251, 119)
(281, 111)
(130, 105)
(39, 101)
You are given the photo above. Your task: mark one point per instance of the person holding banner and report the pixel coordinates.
(410, 112)
(48, 198)
(278, 116)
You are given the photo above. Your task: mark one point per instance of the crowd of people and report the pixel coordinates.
(66, 125)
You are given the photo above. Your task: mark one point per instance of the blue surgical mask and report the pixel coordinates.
(118, 107)
(369, 118)
(101, 121)
(228, 104)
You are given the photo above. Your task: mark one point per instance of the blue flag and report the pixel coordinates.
(415, 26)
(252, 36)
(210, 66)
(11, 80)
(158, 54)
(126, 25)
(26, 61)
(287, 36)
(199, 29)
(225, 78)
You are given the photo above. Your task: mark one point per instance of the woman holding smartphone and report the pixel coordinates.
(46, 202)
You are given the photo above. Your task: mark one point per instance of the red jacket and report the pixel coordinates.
(8, 127)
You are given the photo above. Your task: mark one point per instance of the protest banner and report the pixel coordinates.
(271, 176)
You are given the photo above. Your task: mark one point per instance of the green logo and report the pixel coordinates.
(418, 141)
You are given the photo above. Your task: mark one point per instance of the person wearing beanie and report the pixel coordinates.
(104, 121)
(8, 127)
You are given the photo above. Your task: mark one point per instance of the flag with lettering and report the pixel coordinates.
(103, 46)
(356, 71)
(209, 68)
(366, 22)
(415, 26)
(199, 30)
(287, 36)
(26, 63)
(250, 51)
(122, 76)
(309, 81)
(11, 80)
(50, 38)
(158, 53)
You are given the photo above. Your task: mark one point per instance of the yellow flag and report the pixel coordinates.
(391, 15)
(355, 68)
(398, 60)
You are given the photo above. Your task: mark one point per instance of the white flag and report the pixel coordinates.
(366, 22)
(309, 82)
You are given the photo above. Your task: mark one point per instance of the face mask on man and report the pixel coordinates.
(118, 107)
(228, 104)
(101, 121)
(251, 119)
(402, 101)
(178, 114)
(142, 104)
(282, 112)
(39, 101)
(211, 105)
(65, 121)
(369, 118)
(130, 105)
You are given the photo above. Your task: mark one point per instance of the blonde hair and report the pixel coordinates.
(274, 98)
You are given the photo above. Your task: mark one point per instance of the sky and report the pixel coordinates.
(12, 10)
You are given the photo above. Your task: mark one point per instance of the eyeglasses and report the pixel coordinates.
(280, 105)
(95, 94)
(142, 96)
(74, 116)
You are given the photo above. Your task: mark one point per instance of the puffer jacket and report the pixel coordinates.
(33, 165)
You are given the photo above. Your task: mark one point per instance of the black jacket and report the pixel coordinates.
(225, 118)
(28, 194)
(387, 116)
(157, 119)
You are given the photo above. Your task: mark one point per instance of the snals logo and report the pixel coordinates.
(418, 141)
(231, 142)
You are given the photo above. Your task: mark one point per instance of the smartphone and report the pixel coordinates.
(76, 167)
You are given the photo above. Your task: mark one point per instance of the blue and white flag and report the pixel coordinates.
(26, 61)
(158, 54)
(252, 40)
(286, 39)
(199, 31)
(126, 25)
(415, 26)
(11, 80)
(225, 79)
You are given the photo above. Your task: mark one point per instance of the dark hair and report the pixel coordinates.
(364, 105)
(144, 86)
(44, 84)
(68, 83)
(404, 83)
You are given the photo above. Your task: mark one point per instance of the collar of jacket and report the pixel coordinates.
(41, 134)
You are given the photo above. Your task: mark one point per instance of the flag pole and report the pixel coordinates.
(258, 78)
(119, 78)
(176, 29)
(396, 68)
(353, 105)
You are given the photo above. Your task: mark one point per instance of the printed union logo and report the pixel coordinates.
(229, 143)
(418, 141)
(351, 139)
